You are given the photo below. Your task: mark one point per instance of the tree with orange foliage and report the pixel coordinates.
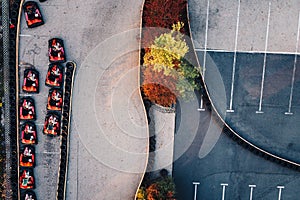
(159, 88)
(161, 190)
(166, 74)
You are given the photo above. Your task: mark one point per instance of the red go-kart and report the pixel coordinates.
(55, 100)
(27, 156)
(33, 14)
(56, 50)
(28, 133)
(26, 179)
(52, 124)
(27, 109)
(31, 81)
(28, 195)
(54, 75)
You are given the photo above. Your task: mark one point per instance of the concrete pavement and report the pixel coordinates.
(109, 141)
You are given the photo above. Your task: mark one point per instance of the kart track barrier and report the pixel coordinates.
(65, 130)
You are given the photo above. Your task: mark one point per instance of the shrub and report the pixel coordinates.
(158, 88)
(161, 190)
(166, 74)
(166, 51)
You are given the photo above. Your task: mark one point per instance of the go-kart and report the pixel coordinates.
(54, 75)
(27, 156)
(27, 109)
(55, 100)
(26, 180)
(28, 133)
(33, 14)
(56, 50)
(31, 81)
(28, 195)
(52, 124)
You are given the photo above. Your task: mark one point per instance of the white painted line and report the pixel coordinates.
(204, 55)
(47, 152)
(230, 111)
(26, 95)
(205, 43)
(224, 185)
(24, 35)
(241, 51)
(25, 64)
(234, 56)
(265, 59)
(201, 104)
(294, 69)
(251, 190)
(288, 113)
(195, 191)
(279, 193)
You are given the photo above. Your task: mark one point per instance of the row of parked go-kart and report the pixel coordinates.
(27, 110)
(54, 79)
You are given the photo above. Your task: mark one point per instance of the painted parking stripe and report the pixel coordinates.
(251, 190)
(280, 191)
(195, 191)
(289, 112)
(234, 57)
(253, 52)
(224, 185)
(264, 65)
(204, 55)
(205, 43)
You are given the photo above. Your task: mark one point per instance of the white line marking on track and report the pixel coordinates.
(294, 71)
(265, 60)
(26, 95)
(234, 57)
(24, 35)
(48, 152)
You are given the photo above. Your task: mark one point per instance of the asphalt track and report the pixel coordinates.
(108, 144)
(257, 40)
(255, 90)
(273, 130)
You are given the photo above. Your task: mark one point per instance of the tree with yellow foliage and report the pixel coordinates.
(166, 51)
(167, 75)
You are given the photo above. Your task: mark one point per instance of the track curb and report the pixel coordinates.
(65, 130)
(140, 95)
